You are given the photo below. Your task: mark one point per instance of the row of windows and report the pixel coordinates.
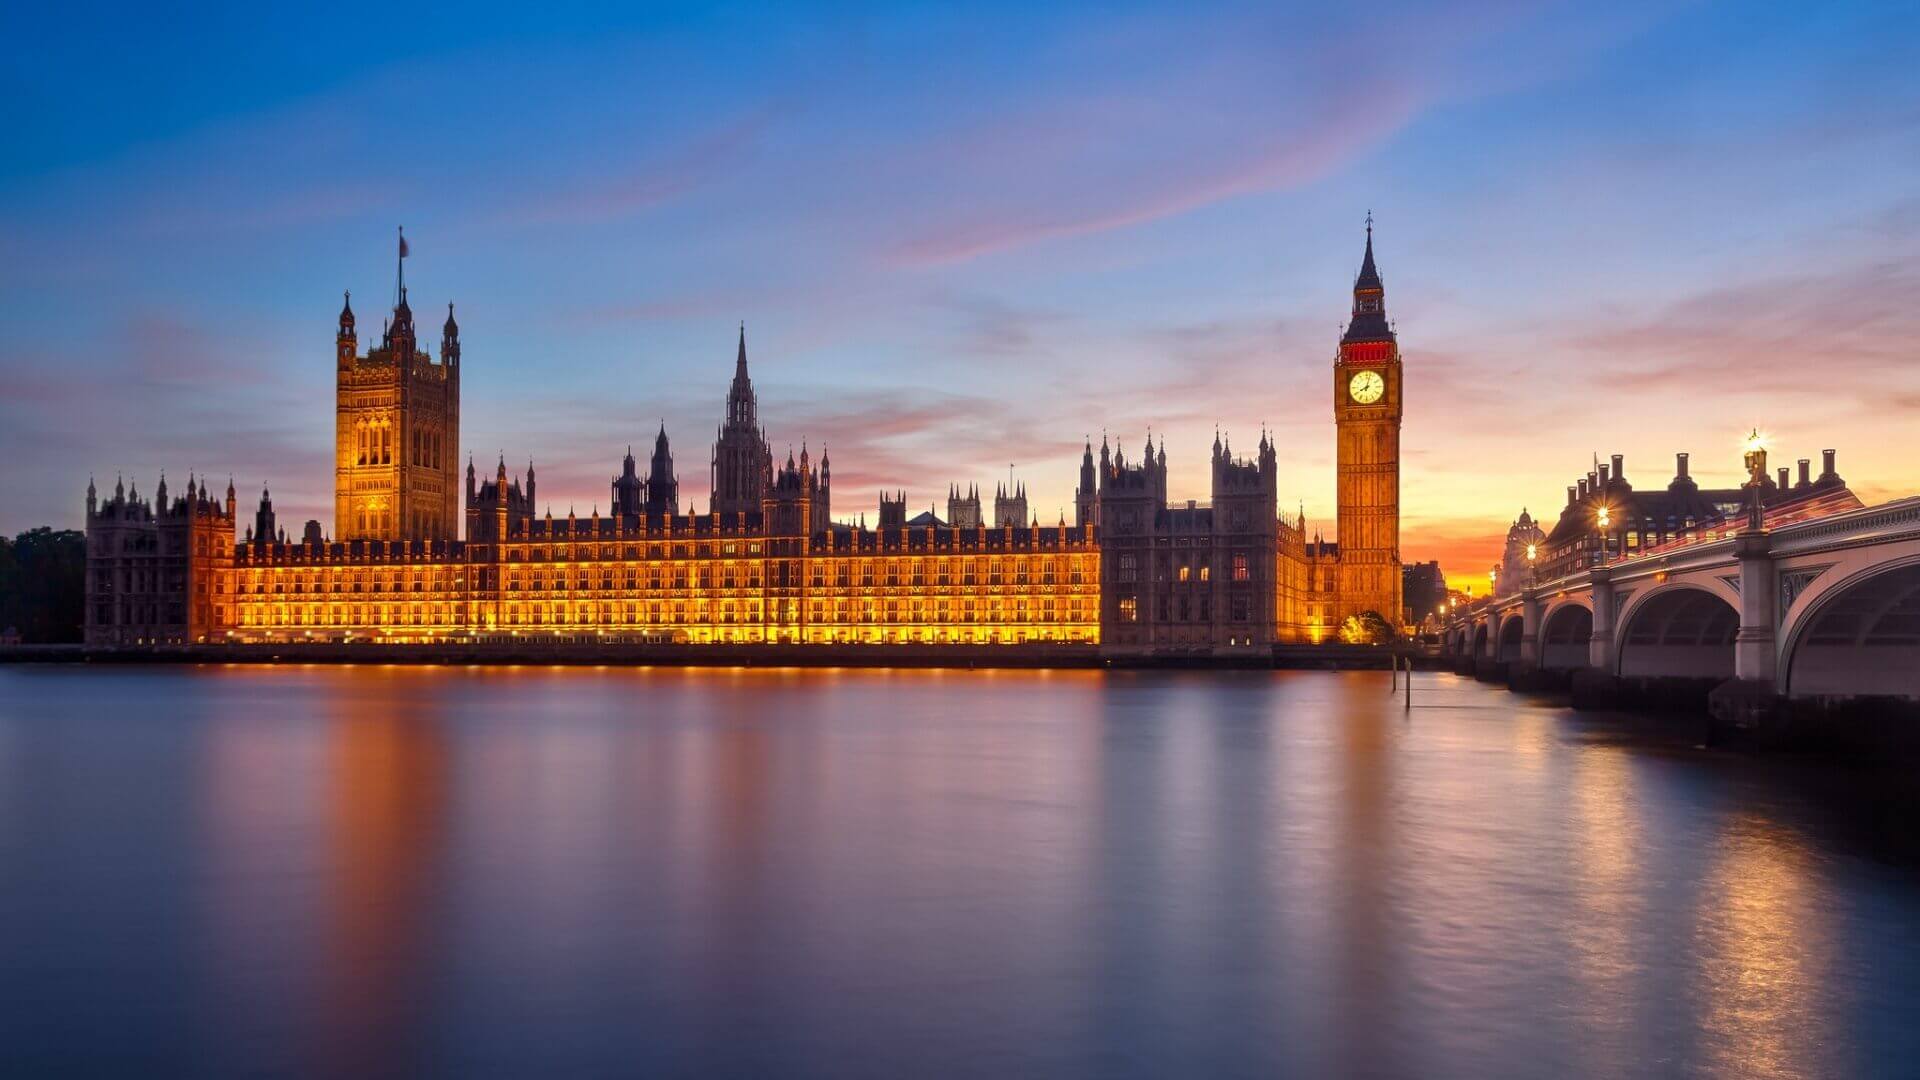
(1127, 569)
(675, 613)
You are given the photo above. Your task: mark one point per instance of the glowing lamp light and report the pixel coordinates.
(1604, 515)
(1533, 552)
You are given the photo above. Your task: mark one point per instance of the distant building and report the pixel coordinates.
(963, 511)
(1424, 588)
(1637, 519)
(1523, 535)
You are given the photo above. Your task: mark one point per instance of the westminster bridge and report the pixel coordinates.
(1824, 612)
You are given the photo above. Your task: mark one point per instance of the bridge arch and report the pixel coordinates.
(1684, 630)
(1480, 634)
(1507, 645)
(1565, 632)
(1858, 636)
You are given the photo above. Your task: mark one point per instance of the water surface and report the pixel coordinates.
(541, 872)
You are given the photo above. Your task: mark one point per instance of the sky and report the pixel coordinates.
(967, 238)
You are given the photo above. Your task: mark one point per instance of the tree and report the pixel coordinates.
(1367, 628)
(43, 584)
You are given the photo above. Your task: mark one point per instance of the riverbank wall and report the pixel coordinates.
(1032, 655)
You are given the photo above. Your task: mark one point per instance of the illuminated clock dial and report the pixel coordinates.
(1366, 387)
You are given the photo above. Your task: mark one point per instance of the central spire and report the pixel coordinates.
(742, 410)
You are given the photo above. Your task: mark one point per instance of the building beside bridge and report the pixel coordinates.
(417, 557)
(1784, 588)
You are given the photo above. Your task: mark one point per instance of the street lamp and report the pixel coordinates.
(1533, 552)
(1603, 517)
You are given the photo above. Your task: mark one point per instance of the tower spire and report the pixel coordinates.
(400, 269)
(1369, 321)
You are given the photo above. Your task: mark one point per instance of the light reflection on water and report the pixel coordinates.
(520, 872)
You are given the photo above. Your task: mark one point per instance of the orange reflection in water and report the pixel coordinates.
(385, 817)
(1608, 888)
(1761, 933)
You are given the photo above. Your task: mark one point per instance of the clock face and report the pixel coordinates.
(1366, 387)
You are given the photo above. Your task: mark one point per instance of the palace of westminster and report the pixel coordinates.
(422, 554)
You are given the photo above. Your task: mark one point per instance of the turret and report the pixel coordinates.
(93, 498)
(450, 339)
(232, 504)
(345, 343)
(663, 491)
(264, 526)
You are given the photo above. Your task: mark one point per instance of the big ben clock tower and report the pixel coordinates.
(1366, 412)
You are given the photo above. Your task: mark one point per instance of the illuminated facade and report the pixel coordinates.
(1638, 520)
(396, 431)
(766, 563)
(1367, 410)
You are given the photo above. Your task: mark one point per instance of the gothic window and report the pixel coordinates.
(1129, 609)
(1240, 566)
(1127, 570)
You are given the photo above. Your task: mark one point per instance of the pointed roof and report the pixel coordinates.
(1369, 274)
(1369, 301)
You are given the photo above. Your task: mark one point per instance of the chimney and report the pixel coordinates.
(1603, 476)
(1680, 465)
(1783, 478)
(1619, 471)
(1583, 489)
(1806, 473)
(1572, 494)
(1826, 467)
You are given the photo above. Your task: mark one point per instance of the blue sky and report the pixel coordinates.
(966, 237)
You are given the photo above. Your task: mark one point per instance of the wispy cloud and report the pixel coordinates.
(672, 173)
(1085, 202)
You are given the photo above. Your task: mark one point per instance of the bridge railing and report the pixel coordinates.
(1869, 523)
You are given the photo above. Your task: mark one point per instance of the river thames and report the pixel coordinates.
(540, 872)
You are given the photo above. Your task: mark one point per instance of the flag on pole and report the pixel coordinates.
(403, 245)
